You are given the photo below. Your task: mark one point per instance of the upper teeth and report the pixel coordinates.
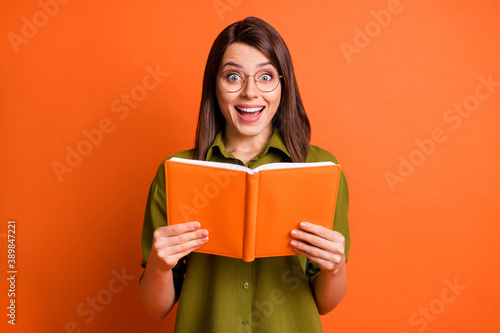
(250, 109)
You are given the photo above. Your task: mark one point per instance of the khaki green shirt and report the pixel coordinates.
(227, 295)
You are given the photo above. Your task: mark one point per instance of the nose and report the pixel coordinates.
(250, 89)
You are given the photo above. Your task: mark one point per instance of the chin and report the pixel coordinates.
(253, 130)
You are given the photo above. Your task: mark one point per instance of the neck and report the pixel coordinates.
(245, 147)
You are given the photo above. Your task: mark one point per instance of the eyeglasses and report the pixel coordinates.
(266, 80)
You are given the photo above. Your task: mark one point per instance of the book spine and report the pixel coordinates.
(166, 192)
(251, 196)
(337, 179)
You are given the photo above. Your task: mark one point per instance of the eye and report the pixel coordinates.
(266, 77)
(233, 77)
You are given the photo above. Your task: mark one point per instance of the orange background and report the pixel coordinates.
(375, 107)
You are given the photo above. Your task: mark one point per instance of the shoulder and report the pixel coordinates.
(188, 154)
(317, 154)
(160, 173)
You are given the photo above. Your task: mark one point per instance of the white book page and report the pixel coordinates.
(269, 166)
(212, 164)
(284, 165)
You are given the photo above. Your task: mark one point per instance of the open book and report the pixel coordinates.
(249, 213)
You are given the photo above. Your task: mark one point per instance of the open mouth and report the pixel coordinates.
(249, 111)
(249, 114)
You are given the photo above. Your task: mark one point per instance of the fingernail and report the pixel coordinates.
(204, 233)
(304, 225)
(294, 233)
(204, 239)
(197, 225)
(293, 243)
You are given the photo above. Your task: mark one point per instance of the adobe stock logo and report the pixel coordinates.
(372, 29)
(29, 30)
(454, 117)
(121, 106)
(428, 314)
(89, 309)
(202, 195)
(292, 279)
(222, 6)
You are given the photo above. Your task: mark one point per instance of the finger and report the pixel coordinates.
(180, 249)
(313, 239)
(323, 264)
(186, 237)
(317, 230)
(186, 248)
(177, 229)
(185, 253)
(323, 232)
(326, 261)
(310, 250)
(166, 257)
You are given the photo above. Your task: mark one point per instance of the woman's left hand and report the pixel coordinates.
(324, 246)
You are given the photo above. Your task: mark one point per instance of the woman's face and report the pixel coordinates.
(249, 111)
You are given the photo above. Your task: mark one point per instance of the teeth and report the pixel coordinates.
(250, 109)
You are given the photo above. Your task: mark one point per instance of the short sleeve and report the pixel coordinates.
(155, 216)
(340, 220)
(340, 224)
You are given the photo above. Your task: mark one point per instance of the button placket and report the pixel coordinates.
(245, 272)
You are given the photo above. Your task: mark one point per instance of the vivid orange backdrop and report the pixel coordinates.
(405, 93)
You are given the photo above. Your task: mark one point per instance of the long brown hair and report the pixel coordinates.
(290, 120)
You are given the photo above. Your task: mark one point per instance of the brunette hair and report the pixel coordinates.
(290, 119)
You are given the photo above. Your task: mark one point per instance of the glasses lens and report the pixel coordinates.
(266, 80)
(232, 81)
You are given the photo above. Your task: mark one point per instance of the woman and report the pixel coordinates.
(251, 114)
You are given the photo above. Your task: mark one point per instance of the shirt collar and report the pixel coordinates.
(274, 142)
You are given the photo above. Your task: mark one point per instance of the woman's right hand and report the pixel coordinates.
(171, 243)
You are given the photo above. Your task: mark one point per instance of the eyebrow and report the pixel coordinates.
(240, 66)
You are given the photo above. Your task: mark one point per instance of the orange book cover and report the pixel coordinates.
(249, 213)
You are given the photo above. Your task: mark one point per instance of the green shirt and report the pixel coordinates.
(226, 295)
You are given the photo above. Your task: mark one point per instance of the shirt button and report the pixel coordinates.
(246, 285)
(250, 165)
(244, 322)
